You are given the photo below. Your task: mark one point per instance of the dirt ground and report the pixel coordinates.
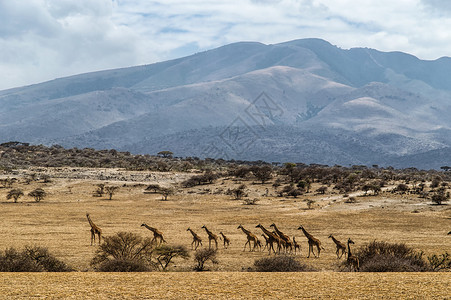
(59, 223)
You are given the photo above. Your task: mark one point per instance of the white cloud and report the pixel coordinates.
(44, 39)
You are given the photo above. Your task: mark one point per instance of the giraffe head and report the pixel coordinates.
(143, 224)
(272, 225)
(240, 226)
(87, 214)
(330, 236)
(203, 226)
(188, 229)
(300, 227)
(350, 241)
(259, 226)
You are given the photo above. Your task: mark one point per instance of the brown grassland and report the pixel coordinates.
(59, 223)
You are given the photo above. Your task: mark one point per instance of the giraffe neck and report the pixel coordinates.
(334, 239)
(269, 233)
(91, 222)
(349, 250)
(150, 228)
(245, 230)
(208, 231)
(308, 235)
(276, 229)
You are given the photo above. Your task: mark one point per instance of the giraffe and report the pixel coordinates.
(196, 239)
(250, 237)
(157, 235)
(259, 244)
(340, 247)
(225, 239)
(353, 261)
(94, 230)
(311, 242)
(286, 239)
(266, 240)
(211, 236)
(272, 238)
(296, 245)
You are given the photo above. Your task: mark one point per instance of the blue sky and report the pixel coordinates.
(45, 39)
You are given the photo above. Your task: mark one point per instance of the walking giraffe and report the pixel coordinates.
(250, 237)
(225, 239)
(340, 247)
(296, 245)
(157, 235)
(94, 230)
(312, 241)
(353, 261)
(272, 238)
(196, 239)
(286, 239)
(211, 236)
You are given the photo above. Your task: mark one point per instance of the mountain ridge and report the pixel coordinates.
(388, 105)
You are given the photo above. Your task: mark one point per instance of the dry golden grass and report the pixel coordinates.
(220, 285)
(59, 223)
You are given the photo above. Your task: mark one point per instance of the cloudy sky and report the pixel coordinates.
(45, 39)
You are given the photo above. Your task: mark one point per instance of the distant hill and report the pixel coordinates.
(304, 100)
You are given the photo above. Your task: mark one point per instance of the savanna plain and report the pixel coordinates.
(58, 222)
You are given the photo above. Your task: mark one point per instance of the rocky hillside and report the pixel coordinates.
(304, 100)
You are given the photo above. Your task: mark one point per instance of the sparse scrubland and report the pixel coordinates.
(398, 221)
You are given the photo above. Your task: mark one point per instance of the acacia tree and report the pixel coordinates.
(165, 154)
(165, 192)
(38, 194)
(263, 173)
(14, 193)
(165, 254)
(111, 190)
(100, 190)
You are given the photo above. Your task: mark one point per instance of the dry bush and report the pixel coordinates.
(166, 253)
(123, 265)
(123, 252)
(279, 263)
(248, 201)
(390, 257)
(31, 259)
(202, 256)
(440, 262)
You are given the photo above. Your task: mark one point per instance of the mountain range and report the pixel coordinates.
(301, 101)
